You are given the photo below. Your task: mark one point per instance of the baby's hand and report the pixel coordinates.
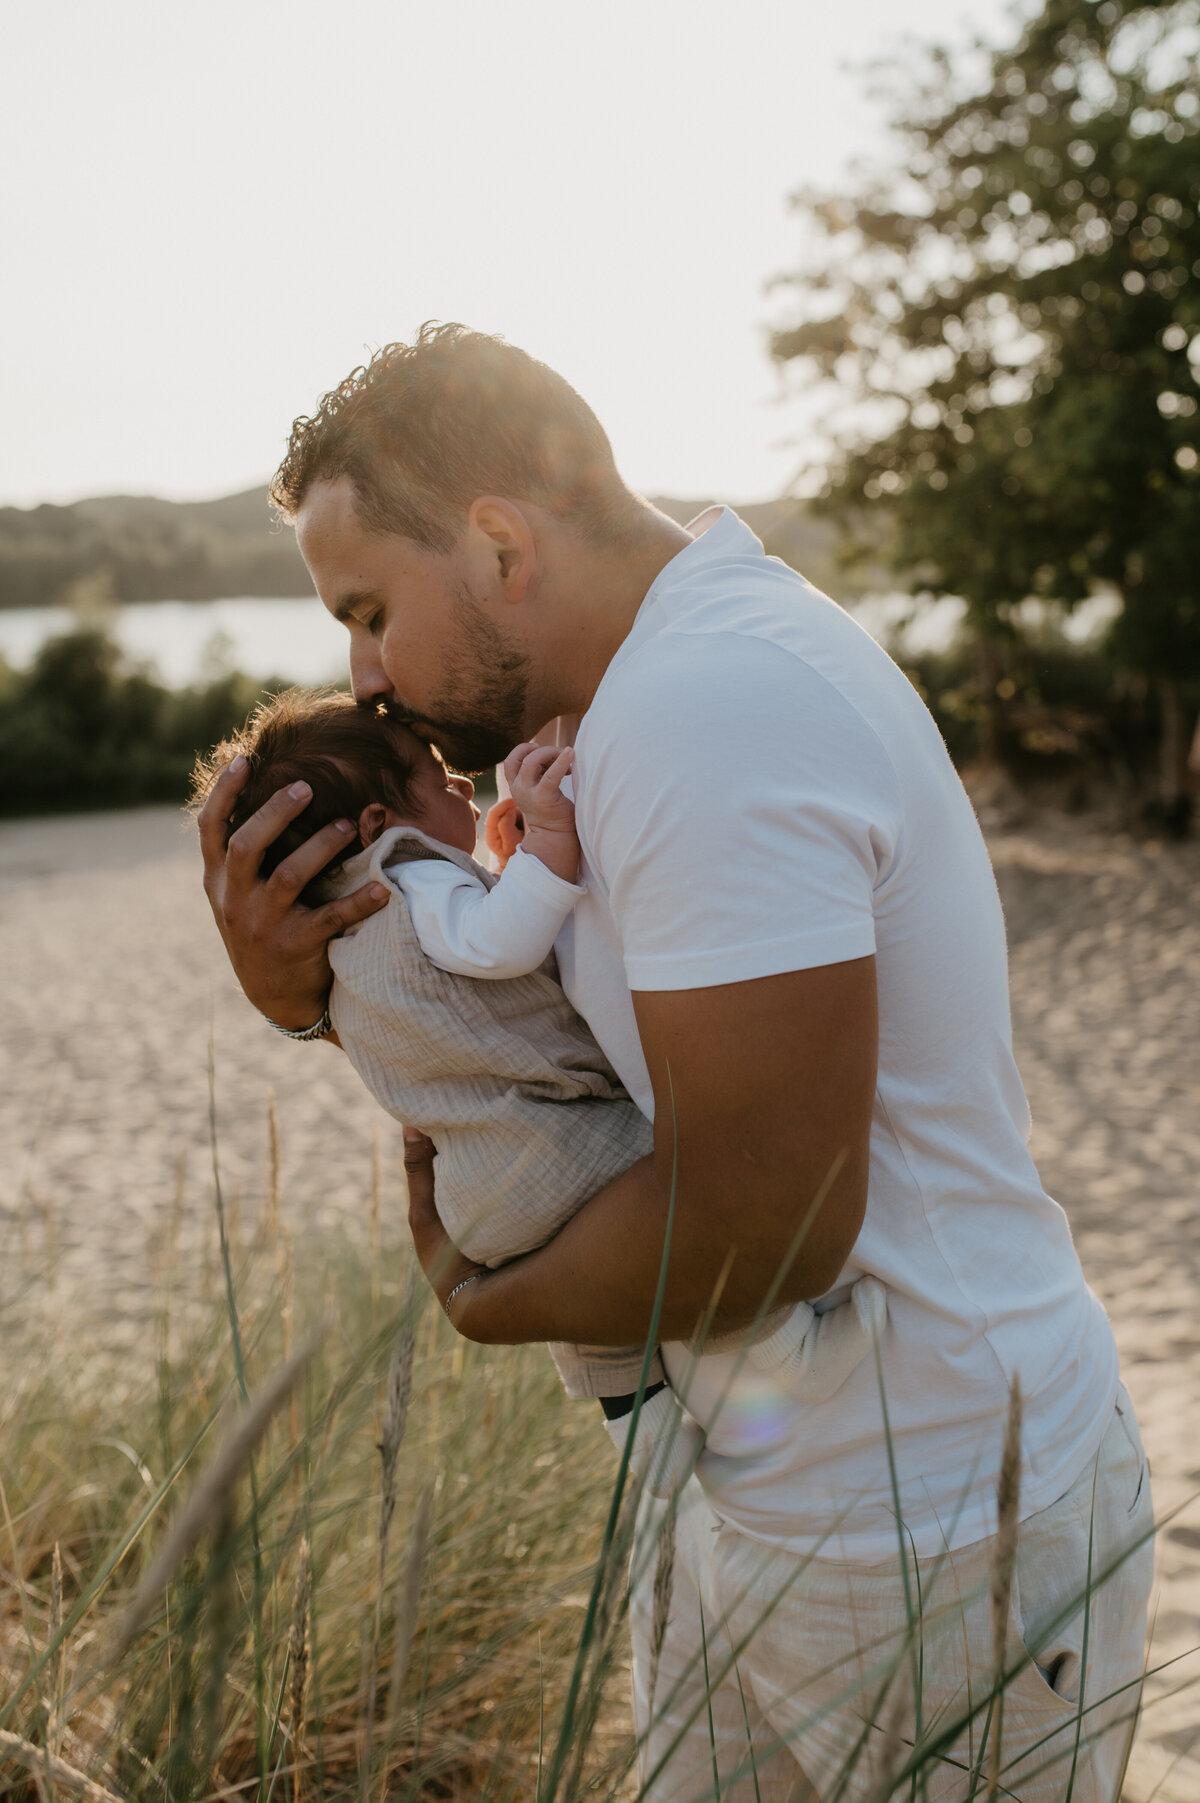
(534, 773)
(502, 829)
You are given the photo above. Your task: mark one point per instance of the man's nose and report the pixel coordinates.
(368, 679)
(464, 785)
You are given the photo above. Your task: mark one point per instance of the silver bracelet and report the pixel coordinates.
(456, 1289)
(322, 1030)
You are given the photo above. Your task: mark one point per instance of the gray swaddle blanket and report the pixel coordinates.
(528, 1117)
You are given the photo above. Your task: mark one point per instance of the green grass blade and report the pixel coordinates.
(239, 1360)
(749, 1736)
(610, 1527)
(712, 1733)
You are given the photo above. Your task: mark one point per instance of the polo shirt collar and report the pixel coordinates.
(717, 533)
(721, 536)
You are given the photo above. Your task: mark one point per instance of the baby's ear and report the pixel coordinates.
(372, 821)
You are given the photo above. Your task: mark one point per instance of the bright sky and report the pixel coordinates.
(210, 213)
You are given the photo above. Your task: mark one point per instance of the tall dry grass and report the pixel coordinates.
(316, 1547)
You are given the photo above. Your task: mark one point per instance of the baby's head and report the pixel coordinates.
(362, 764)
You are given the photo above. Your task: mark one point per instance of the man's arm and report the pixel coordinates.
(764, 1090)
(278, 949)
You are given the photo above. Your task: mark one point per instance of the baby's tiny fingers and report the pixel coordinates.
(533, 767)
(554, 772)
(552, 757)
(515, 759)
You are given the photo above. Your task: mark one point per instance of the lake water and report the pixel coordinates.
(189, 641)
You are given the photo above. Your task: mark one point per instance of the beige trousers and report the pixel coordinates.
(818, 1700)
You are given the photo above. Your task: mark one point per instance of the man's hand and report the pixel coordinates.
(278, 949)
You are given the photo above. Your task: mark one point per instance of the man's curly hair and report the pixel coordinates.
(424, 429)
(351, 756)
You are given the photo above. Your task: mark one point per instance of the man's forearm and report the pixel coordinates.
(596, 1281)
(764, 1093)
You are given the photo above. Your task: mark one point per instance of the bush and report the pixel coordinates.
(1055, 714)
(81, 728)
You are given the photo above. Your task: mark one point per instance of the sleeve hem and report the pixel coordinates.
(531, 871)
(742, 964)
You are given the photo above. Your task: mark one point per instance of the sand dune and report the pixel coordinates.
(1105, 974)
(115, 979)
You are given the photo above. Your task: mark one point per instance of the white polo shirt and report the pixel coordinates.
(760, 789)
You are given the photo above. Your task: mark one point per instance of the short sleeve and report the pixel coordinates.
(739, 811)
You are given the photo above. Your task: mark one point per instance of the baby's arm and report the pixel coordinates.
(506, 931)
(477, 932)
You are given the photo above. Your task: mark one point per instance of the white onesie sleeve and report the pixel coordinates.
(476, 932)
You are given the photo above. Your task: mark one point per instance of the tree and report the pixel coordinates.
(1011, 326)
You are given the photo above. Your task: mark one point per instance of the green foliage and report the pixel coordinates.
(81, 729)
(1062, 726)
(1011, 323)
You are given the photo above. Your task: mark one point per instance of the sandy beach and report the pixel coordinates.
(116, 985)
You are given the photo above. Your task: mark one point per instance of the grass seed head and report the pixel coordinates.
(395, 1418)
(664, 1584)
(206, 1505)
(408, 1592)
(1008, 1509)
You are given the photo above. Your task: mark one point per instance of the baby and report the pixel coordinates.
(484, 1067)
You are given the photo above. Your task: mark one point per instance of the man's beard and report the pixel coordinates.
(481, 712)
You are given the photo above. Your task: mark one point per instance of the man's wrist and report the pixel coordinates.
(455, 1302)
(320, 1029)
(468, 1307)
(287, 1015)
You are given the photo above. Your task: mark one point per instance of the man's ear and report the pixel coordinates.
(371, 822)
(502, 541)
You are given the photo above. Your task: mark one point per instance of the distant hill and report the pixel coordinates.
(139, 548)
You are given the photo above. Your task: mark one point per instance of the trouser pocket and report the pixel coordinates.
(1049, 1599)
(1084, 1566)
(1130, 1432)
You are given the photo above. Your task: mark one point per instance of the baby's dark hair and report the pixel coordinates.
(351, 756)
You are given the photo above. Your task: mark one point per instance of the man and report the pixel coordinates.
(792, 951)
